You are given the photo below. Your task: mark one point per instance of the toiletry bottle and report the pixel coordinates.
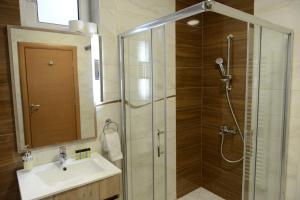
(77, 155)
(89, 153)
(27, 160)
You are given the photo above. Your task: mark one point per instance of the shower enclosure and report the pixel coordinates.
(234, 100)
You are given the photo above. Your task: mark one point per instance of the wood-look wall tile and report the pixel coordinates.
(188, 97)
(217, 175)
(4, 73)
(222, 183)
(216, 119)
(10, 12)
(188, 77)
(10, 160)
(237, 92)
(190, 154)
(188, 137)
(188, 118)
(191, 62)
(220, 104)
(189, 179)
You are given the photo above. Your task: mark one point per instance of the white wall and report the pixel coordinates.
(287, 13)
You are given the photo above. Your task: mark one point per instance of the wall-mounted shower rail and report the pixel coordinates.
(184, 13)
(208, 5)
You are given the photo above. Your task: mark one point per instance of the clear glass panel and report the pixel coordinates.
(139, 123)
(252, 92)
(57, 11)
(265, 113)
(270, 126)
(145, 90)
(159, 110)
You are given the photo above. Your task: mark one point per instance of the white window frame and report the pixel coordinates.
(29, 15)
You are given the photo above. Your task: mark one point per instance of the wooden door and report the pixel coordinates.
(50, 97)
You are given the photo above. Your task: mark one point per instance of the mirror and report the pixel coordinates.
(53, 80)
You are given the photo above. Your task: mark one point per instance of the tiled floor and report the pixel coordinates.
(201, 194)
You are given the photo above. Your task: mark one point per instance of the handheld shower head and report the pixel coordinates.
(219, 61)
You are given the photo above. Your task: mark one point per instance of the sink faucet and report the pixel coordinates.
(62, 156)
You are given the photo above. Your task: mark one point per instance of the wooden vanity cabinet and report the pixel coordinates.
(107, 189)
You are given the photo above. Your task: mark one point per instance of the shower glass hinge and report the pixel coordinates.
(208, 4)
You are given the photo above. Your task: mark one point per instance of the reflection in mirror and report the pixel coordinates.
(53, 79)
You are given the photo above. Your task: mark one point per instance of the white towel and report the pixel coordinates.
(112, 145)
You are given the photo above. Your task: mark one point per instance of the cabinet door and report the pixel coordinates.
(88, 192)
(110, 187)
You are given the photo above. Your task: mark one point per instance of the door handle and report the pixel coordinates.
(34, 108)
(159, 151)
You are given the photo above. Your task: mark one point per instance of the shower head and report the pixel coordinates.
(219, 61)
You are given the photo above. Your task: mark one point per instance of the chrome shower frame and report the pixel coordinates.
(209, 6)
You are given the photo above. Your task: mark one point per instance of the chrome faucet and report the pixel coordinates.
(62, 156)
(227, 130)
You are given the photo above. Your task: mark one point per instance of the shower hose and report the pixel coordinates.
(238, 127)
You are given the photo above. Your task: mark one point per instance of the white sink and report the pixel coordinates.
(73, 171)
(49, 179)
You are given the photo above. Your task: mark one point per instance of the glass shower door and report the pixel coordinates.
(266, 114)
(159, 111)
(144, 70)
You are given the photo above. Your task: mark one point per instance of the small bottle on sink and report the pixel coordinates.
(27, 159)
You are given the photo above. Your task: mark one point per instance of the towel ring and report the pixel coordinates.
(109, 122)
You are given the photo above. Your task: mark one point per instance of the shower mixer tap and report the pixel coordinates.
(227, 130)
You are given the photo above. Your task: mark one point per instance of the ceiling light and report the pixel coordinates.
(193, 22)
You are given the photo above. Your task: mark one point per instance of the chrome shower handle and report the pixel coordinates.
(159, 151)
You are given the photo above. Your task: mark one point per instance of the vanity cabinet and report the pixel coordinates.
(107, 189)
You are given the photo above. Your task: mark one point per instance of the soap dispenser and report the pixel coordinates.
(27, 159)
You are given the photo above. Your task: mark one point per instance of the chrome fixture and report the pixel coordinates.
(229, 41)
(220, 61)
(227, 130)
(159, 151)
(110, 124)
(62, 157)
(226, 78)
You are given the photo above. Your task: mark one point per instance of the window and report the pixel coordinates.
(57, 11)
